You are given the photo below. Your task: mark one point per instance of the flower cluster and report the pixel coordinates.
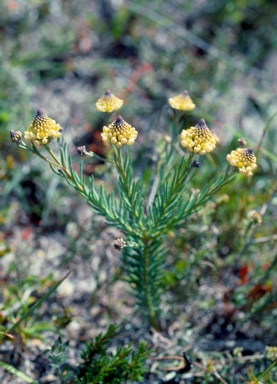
(119, 133)
(198, 139)
(108, 102)
(244, 160)
(182, 102)
(42, 130)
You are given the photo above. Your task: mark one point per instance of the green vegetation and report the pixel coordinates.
(168, 258)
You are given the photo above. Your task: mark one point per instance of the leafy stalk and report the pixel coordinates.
(131, 192)
(169, 205)
(266, 372)
(100, 202)
(168, 197)
(143, 267)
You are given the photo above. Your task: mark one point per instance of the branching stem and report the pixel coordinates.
(130, 196)
(51, 153)
(175, 189)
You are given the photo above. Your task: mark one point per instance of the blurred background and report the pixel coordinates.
(62, 55)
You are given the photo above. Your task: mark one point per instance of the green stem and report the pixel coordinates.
(145, 259)
(263, 134)
(56, 162)
(92, 154)
(37, 152)
(266, 372)
(146, 285)
(59, 164)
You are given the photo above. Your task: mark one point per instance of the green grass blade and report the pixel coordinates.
(16, 372)
(38, 304)
(265, 372)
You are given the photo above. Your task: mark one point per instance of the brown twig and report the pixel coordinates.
(213, 372)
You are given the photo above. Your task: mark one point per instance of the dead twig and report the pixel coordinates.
(213, 372)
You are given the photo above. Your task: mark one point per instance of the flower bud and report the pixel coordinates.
(242, 142)
(119, 244)
(195, 164)
(15, 136)
(82, 150)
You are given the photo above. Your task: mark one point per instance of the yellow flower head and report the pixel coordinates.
(244, 160)
(198, 139)
(119, 133)
(182, 101)
(108, 102)
(42, 130)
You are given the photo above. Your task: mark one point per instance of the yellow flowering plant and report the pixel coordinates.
(119, 133)
(244, 160)
(182, 102)
(42, 130)
(198, 139)
(145, 214)
(109, 102)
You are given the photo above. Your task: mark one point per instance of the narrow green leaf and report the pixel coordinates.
(63, 158)
(37, 304)
(16, 372)
(55, 171)
(81, 171)
(72, 172)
